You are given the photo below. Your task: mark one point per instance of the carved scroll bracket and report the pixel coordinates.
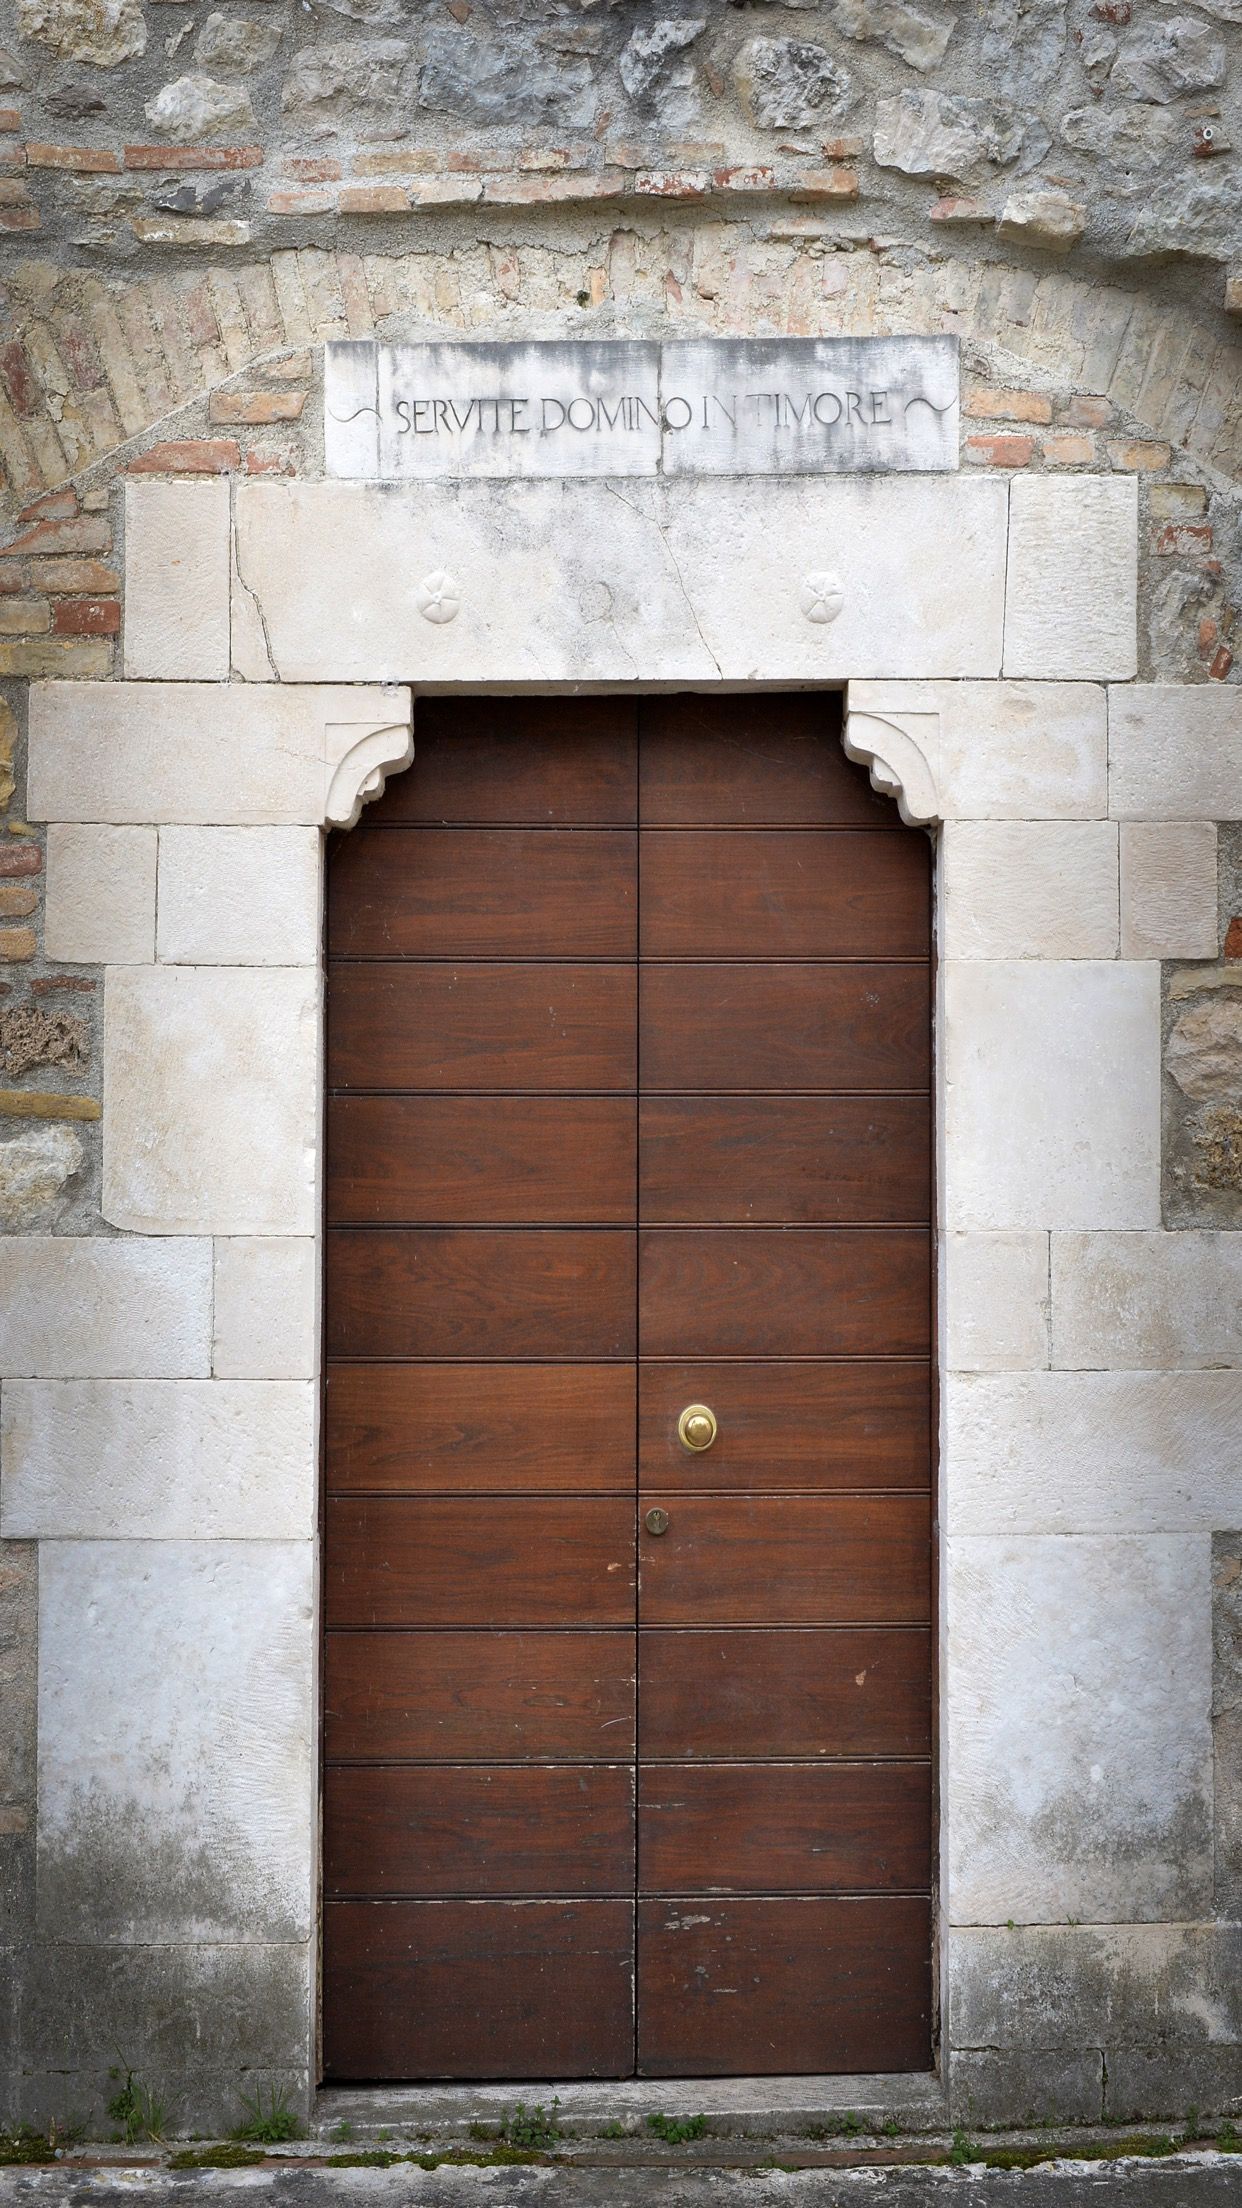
(359, 756)
(894, 729)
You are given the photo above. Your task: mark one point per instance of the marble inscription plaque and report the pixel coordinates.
(707, 406)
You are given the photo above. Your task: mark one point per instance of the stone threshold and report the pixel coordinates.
(769, 2107)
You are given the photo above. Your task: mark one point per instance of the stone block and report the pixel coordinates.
(19, 1641)
(1227, 1720)
(210, 1099)
(96, 1308)
(1077, 1686)
(1053, 1093)
(37, 1166)
(1096, 1985)
(100, 895)
(190, 1814)
(596, 581)
(1071, 595)
(1022, 750)
(1166, 2080)
(1168, 1302)
(218, 754)
(1029, 889)
(1168, 889)
(1092, 1452)
(994, 1301)
(239, 896)
(177, 580)
(993, 2090)
(1175, 752)
(266, 1307)
(157, 1460)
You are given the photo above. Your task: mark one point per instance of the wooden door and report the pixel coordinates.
(629, 1019)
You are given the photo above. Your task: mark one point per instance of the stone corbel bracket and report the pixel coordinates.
(894, 729)
(359, 756)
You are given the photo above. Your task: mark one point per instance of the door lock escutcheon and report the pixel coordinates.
(696, 1428)
(656, 1521)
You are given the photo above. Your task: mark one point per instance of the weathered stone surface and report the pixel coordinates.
(210, 1099)
(1045, 217)
(96, 1308)
(1227, 1720)
(1204, 1050)
(265, 1307)
(1053, 1104)
(1165, 2079)
(189, 1816)
(197, 107)
(585, 581)
(1168, 889)
(1029, 889)
(1071, 592)
(946, 134)
(789, 82)
(1025, 751)
(649, 58)
(368, 84)
(1132, 140)
(205, 752)
(1131, 1301)
(498, 77)
(239, 896)
(100, 905)
(1165, 58)
(102, 32)
(1199, 216)
(19, 1642)
(1078, 1686)
(1041, 2085)
(32, 1036)
(1175, 753)
(921, 39)
(35, 1167)
(157, 1460)
(1092, 1452)
(1097, 1985)
(1022, 46)
(177, 580)
(995, 1301)
(237, 45)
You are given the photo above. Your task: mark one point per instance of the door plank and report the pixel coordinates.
(484, 893)
(792, 1291)
(479, 1830)
(479, 1429)
(751, 760)
(801, 1692)
(518, 762)
(786, 1986)
(431, 1291)
(730, 1027)
(787, 1560)
(395, 1024)
(784, 1827)
(797, 1159)
(495, 1160)
(478, 1989)
(784, 893)
(479, 1561)
(788, 1424)
(504, 1697)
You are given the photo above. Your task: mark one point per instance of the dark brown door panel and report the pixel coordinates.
(478, 1989)
(478, 1830)
(732, 761)
(484, 893)
(754, 1828)
(479, 1561)
(806, 1160)
(786, 1560)
(784, 1986)
(784, 1291)
(799, 1691)
(435, 1292)
(788, 1424)
(438, 1429)
(414, 1024)
(483, 1696)
(773, 1027)
(497, 762)
(482, 1160)
(784, 893)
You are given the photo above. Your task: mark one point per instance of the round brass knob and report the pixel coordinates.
(656, 1521)
(696, 1428)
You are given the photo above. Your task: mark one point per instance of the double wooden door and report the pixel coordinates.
(627, 1743)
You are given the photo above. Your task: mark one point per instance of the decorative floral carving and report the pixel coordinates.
(438, 596)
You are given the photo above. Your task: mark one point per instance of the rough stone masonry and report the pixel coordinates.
(195, 200)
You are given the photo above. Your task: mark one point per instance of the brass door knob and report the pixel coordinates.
(656, 1521)
(696, 1428)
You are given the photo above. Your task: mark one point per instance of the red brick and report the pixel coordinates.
(10, 119)
(17, 945)
(271, 460)
(321, 170)
(84, 535)
(1089, 411)
(672, 183)
(87, 160)
(1006, 449)
(79, 356)
(374, 199)
(47, 983)
(53, 506)
(25, 616)
(1138, 453)
(18, 378)
(86, 617)
(960, 207)
(14, 580)
(19, 218)
(1233, 937)
(820, 184)
(193, 157)
(392, 161)
(743, 179)
(1183, 537)
(1221, 664)
(200, 316)
(301, 203)
(1069, 448)
(19, 858)
(257, 406)
(188, 456)
(77, 578)
(535, 191)
(988, 404)
(18, 900)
